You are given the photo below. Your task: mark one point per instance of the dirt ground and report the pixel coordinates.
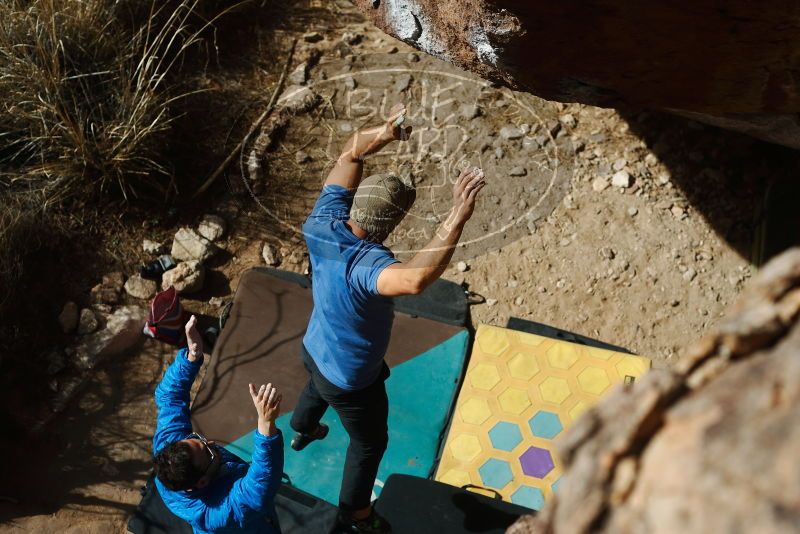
(649, 266)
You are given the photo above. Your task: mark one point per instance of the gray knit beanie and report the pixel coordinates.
(381, 202)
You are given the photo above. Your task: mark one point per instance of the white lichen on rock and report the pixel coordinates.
(479, 40)
(410, 23)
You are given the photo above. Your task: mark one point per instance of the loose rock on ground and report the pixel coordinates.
(152, 247)
(140, 288)
(212, 227)
(186, 277)
(87, 322)
(189, 245)
(271, 255)
(109, 290)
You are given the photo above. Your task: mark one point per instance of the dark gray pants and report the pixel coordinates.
(364, 415)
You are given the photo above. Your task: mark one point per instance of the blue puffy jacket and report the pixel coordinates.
(241, 498)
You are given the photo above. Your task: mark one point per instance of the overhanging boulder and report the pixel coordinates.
(736, 66)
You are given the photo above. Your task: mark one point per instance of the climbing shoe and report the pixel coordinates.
(300, 441)
(372, 524)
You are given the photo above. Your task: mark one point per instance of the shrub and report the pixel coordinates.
(84, 102)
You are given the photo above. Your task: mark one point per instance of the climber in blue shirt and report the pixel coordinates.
(355, 278)
(201, 482)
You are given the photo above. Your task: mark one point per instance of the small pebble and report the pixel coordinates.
(312, 37)
(462, 266)
(632, 212)
(607, 253)
(491, 302)
(518, 171)
(568, 121)
(152, 247)
(299, 75)
(351, 38)
(412, 57)
(470, 111)
(599, 184)
(621, 179)
(519, 300)
(216, 302)
(511, 132)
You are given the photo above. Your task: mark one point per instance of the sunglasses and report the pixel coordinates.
(209, 450)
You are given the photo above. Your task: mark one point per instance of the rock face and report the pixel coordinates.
(733, 67)
(186, 277)
(710, 446)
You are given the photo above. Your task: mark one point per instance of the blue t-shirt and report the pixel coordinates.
(350, 325)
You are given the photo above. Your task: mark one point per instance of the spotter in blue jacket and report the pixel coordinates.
(241, 498)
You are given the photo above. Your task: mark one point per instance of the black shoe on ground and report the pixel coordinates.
(372, 524)
(300, 441)
(156, 268)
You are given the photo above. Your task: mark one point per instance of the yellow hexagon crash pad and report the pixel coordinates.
(521, 391)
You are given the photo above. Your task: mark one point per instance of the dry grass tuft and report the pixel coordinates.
(84, 97)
